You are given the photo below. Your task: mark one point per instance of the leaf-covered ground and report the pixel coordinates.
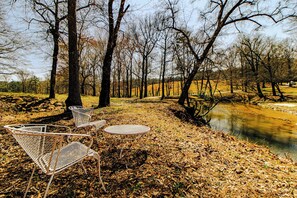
(175, 159)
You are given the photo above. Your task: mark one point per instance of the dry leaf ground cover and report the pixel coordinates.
(175, 159)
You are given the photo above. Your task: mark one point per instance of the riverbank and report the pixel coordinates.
(263, 126)
(175, 159)
(288, 107)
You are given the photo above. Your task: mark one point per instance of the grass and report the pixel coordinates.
(175, 159)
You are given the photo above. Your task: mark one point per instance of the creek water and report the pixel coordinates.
(275, 129)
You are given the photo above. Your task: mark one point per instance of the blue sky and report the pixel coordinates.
(39, 63)
(37, 59)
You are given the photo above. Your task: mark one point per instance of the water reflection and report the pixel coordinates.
(277, 130)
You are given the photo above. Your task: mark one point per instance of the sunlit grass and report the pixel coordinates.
(23, 94)
(88, 101)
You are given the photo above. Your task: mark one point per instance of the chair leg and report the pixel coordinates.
(34, 168)
(85, 170)
(99, 173)
(48, 185)
(121, 153)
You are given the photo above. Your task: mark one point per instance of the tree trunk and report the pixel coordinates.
(73, 87)
(280, 92)
(260, 94)
(113, 85)
(163, 83)
(127, 82)
(131, 80)
(273, 88)
(202, 82)
(82, 86)
(197, 86)
(104, 98)
(255, 69)
(164, 70)
(94, 82)
(210, 86)
(153, 91)
(186, 87)
(231, 81)
(269, 68)
(173, 87)
(246, 82)
(142, 78)
(119, 80)
(159, 82)
(52, 93)
(145, 78)
(24, 86)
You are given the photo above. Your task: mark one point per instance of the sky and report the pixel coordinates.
(38, 61)
(33, 59)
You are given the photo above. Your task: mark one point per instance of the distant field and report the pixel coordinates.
(172, 89)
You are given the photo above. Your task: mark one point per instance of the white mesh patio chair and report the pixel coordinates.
(51, 148)
(82, 117)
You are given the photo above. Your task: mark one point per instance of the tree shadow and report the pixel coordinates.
(54, 118)
(131, 159)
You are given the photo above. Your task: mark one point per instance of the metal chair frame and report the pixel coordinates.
(82, 118)
(51, 150)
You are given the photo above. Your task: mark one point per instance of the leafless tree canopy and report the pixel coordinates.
(124, 52)
(11, 45)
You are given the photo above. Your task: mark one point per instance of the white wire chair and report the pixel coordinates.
(82, 117)
(51, 148)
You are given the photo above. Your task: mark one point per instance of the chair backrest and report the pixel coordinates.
(82, 116)
(39, 141)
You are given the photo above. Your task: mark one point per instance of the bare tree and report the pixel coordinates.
(184, 60)
(88, 62)
(130, 50)
(288, 55)
(250, 51)
(95, 62)
(114, 27)
(166, 45)
(270, 61)
(33, 84)
(50, 14)
(218, 15)
(276, 61)
(23, 75)
(147, 38)
(11, 46)
(119, 66)
(230, 61)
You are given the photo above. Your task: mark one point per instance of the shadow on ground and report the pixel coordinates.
(131, 159)
(51, 119)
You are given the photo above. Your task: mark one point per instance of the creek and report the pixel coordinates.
(275, 129)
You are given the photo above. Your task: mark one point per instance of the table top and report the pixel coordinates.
(127, 129)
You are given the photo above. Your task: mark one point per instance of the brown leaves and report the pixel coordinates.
(174, 159)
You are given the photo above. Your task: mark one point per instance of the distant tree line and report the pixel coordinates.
(96, 52)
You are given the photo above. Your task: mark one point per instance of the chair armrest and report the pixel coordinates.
(68, 135)
(30, 129)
